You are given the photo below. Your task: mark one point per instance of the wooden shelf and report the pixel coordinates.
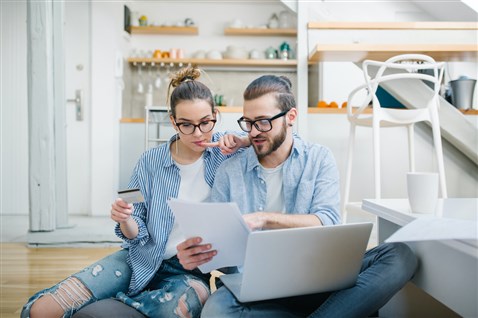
(433, 25)
(356, 52)
(164, 30)
(469, 111)
(223, 62)
(260, 32)
(310, 110)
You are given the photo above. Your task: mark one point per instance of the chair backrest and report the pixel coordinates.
(404, 67)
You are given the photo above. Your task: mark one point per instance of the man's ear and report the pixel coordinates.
(291, 117)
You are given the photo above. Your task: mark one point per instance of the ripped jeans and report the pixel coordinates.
(173, 292)
(103, 279)
(173, 288)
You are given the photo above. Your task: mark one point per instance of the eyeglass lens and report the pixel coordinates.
(188, 128)
(262, 125)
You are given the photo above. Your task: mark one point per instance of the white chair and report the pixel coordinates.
(417, 67)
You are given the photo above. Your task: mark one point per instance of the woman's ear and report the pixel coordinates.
(173, 122)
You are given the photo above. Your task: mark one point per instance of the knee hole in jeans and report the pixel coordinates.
(71, 294)
(202, 293)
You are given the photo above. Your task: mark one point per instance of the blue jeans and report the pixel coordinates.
(104, 279)
(385, 270)
(110, 277)
(171, 289)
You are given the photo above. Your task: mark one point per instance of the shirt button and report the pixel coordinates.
(262, 181)
(260, 208)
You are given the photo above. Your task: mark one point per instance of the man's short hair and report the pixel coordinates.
(279, 86)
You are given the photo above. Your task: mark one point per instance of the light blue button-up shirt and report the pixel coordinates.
(310, 182)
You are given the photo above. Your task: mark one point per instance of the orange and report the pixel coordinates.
(322, 104)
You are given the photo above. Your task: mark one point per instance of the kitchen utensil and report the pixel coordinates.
(235, 52)
(201, 54)
(284, 51)
(285, 20)
(140, 87)
(214, 55)
(271, 53)
(462, 91)
(157, 81)
(273, 22)
(236, 23)
(188, 22)
(255, 55)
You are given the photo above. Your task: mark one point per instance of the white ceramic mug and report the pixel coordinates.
(422, 191)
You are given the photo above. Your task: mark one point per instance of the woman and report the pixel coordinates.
(146, 274)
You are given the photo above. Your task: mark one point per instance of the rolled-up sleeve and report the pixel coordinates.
(139, 217)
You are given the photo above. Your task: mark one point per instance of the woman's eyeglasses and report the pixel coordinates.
(262, 125)
(189, 128)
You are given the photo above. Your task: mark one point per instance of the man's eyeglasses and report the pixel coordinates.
(262, 125)
(189, 128)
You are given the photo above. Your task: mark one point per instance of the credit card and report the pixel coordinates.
(131, 195)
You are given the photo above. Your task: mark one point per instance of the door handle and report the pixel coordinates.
(78, 100)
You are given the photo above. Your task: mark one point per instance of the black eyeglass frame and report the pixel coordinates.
(253, 122)
(198, 126)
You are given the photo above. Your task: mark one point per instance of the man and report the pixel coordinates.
(298, 185)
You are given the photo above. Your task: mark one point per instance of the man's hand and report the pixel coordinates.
(192, 254)
(278, 220)
(255, 221)
(229, 143)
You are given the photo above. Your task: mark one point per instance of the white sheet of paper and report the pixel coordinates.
(220, 224)
(429, 229)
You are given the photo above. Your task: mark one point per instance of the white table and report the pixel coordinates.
(448, 269)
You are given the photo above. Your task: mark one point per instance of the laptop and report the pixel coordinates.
(299, 261)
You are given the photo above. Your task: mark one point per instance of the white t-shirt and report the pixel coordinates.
(275, 193)
(192, 187)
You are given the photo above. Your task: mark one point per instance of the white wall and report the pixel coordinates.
(108, 40)
(211, 17)
(13, 109)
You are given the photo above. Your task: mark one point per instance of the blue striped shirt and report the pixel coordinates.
(157, 176)
(310, 182)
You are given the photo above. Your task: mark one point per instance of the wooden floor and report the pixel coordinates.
(24, 270)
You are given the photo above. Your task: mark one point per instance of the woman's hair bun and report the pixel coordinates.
(186, 74)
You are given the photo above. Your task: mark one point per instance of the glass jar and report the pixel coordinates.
(285, 20)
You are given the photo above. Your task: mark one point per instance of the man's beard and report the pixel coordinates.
(276, 142)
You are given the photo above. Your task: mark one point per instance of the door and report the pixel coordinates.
(77, 73)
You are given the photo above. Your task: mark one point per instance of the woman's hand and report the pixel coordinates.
(191, 253)
(121, 211)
